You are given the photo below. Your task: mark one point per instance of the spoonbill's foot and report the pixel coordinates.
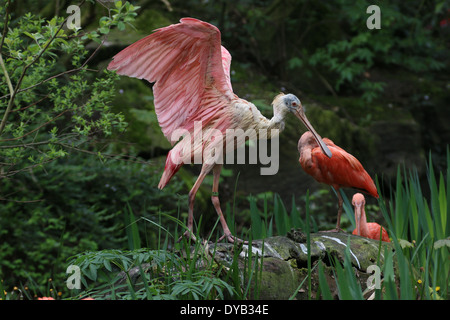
(188, 235)
(232, 239)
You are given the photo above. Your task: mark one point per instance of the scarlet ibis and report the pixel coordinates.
(370, 230)
(191, 74)
(342, 170)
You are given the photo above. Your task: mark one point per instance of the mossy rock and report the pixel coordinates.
(284, 260)
(277, 267)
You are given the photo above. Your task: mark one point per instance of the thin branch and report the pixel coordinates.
(65, 72)
(21, 201)
(39, 143)
(30, 105)
(48, 79)
(34, 130)
(5, 27)
(22, 76)
(120, 157)
(8, 80)
(26, 145)
(8, 109)
(5, 30)
(12, 173)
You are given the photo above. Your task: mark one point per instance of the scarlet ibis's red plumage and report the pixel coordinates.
(370, 230)
(341, 170)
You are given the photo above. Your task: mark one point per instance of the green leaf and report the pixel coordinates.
(295, 62)
(107, 265)
(405, 243)
(134, 240)
(29, 34)
(104, 30)
(92, 272)
(323, 284)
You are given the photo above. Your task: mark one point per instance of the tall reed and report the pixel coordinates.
(418, 224)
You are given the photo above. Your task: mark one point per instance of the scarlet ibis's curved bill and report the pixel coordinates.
(299, 113)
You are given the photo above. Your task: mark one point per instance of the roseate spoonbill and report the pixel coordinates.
(342, 170)
(191, 72)
(370, 230)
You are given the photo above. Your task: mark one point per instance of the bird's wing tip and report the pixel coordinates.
(111, 65)
(199, 23)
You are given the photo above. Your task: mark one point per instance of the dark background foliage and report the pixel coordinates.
(381, 94)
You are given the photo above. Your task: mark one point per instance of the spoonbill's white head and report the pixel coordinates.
(284, 103)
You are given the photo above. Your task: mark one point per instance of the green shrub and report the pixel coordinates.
(74, 205)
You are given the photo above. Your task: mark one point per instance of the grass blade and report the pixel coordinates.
(323, 284)
(134, 240)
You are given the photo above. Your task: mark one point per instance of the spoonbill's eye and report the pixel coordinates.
(294, 104)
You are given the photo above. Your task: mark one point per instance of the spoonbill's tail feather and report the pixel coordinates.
(170, 169)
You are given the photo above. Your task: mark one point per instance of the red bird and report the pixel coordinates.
(341, 170)
(370, 230)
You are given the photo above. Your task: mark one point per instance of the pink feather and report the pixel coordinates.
(188, 63)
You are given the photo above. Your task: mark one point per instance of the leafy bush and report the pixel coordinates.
(164, 274)
(52, 102)
(75, 205)
(404, 40)
(54, 105)
(326, 47)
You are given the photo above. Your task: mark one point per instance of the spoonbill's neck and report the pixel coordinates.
(277, 121)
(268, 128)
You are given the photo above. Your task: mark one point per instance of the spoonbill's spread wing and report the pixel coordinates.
(226, 64)
(191, 71)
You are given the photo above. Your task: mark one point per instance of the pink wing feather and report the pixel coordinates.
(226, 64)
(191, 71)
